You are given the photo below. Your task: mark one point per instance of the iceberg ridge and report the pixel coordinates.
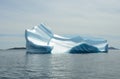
(40, 39)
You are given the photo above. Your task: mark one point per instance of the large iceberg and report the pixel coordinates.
(40, 39)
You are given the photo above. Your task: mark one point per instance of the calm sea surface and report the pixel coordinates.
(17, 64)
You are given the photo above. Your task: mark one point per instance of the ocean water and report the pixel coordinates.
(17, 64)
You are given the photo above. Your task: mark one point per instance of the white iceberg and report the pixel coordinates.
(40, 39)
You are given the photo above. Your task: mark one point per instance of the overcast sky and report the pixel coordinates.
(91, 17)
(94, 17)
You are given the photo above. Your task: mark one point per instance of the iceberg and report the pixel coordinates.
(42, 40)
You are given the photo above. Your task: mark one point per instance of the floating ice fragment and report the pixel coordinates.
(40, 39)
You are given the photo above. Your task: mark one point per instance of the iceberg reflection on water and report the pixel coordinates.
(40, 39)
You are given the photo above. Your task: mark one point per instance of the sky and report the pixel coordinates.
(91, 17)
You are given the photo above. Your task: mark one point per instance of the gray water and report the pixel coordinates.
(17, 64)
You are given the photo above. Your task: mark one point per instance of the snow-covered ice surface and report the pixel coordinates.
(40, 39)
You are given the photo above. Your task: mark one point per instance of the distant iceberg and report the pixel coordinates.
(40, 39)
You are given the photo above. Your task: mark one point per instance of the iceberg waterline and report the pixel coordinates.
(40, 39)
